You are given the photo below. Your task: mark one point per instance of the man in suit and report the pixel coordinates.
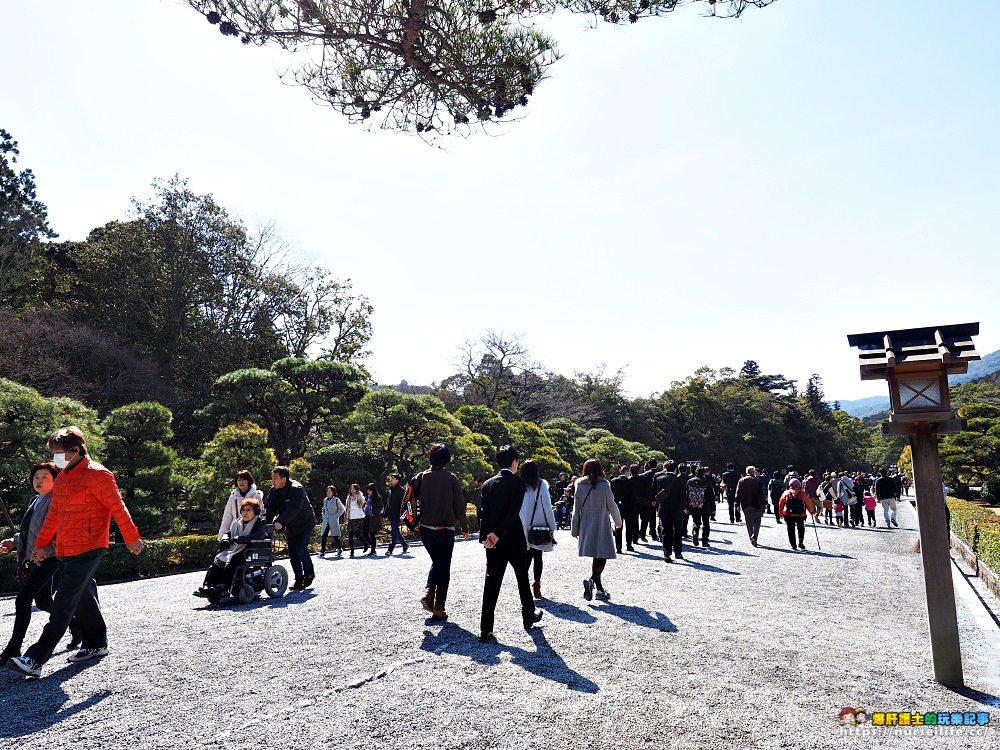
(648, 517)
(670, 501)
(624, 494)
(502, 534)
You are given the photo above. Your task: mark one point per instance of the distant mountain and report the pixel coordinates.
(981, 369)
(864, 407)
(984, 368)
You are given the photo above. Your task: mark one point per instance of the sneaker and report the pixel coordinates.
(25, 665)
(588, 588)
(535, 617)
(802, 546)
(753, 541)
(894, 523)
(88, 653)
(602, 594)
(388, 553)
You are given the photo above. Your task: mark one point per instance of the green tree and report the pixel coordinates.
(135, 446)
(421, 67)
(290, 400)
(402, 427)
(235, 447)
(24, 224)
(971, 458)
(26, 418)
(485, 421)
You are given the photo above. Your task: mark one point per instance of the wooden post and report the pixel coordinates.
(936, 553)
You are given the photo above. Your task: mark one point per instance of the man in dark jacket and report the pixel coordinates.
(289, 510)
(646, 509)
(752, 497)
(887, 494)
(502, 534)
(670, 510)
(624, 494)
(394, 509)
(700, 505)
(730, 479)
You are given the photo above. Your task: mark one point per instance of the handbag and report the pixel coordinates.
(21, 572)
(538, 535)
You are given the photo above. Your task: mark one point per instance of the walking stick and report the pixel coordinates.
(816, 533)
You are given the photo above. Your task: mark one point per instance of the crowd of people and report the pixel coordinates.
(65, 530)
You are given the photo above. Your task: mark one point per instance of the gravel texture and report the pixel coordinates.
(734, 648)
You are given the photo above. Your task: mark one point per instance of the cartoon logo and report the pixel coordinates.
(850, 717)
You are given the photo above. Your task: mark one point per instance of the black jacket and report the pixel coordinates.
(730, 479)
(290, 507)
(394, 505)
(885, 488)
(708, 484)
(623, 491)
(671, 494)
(501, 511)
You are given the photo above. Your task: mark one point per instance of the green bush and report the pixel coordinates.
(979, 529)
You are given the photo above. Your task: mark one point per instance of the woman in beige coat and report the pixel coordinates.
(594, 504)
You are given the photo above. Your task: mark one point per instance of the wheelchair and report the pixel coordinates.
(256, 573)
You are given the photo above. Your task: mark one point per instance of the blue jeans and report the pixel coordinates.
(396, 534)
(298, 554)
(77, 593)
(440, 544)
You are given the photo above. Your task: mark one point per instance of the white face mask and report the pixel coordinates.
(59, 459)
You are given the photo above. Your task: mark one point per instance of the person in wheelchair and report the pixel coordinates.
(247, 528)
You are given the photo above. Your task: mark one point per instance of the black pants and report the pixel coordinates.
(535, 558)
(871, 516)
(702, 520)
(497, 560)
(77, 594)
(440, 545)
(774, 507)
(356, 529)
(298, 554)
(793, 524)
(734, 509)
(37, 589)
(672, 533)
(337, 544)
(631, 513)
(222, 575)
(647, 519)
(856, 513)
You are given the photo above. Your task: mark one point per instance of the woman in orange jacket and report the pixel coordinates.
(84, 499)
(792, 506)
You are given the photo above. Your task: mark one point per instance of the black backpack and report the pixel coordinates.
(795, 505)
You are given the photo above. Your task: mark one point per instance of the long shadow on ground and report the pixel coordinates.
(30, 705)
(810, 552)
(638, 616)
(543, 662)
(565, 611)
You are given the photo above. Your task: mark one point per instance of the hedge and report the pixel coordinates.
(167, 556)
(979, 529)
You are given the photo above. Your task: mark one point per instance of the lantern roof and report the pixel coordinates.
(916, 349)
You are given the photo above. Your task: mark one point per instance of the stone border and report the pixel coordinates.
(987, 576)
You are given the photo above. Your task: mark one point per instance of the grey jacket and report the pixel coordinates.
(25, 545)
(590, 518)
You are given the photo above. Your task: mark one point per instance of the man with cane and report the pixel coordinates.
(792, 507)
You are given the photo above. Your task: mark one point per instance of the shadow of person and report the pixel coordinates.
(542, 662)
(811, 552)
(32, 706)
(565, 611)
(638, 616)
(709, 568)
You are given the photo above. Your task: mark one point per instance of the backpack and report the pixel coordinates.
(411, 505)
(696, 497)
(795, 506)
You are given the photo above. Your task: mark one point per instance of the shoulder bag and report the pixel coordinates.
(538, 535)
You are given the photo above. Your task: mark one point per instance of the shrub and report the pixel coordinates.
(979, 529)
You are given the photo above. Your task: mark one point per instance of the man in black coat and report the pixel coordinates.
(393, 510)
(289, 509)
(670, 501)
(700, 505)
(624, 494)
(730, 479)
(752, 498)
(648, 513)
(502, 534)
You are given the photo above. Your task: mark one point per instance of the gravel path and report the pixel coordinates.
(734, 648)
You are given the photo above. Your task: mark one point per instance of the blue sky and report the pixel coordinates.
(683, 192)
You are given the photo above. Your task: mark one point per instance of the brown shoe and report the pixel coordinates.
(439, 614)
(427, 602)
(536, 589)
